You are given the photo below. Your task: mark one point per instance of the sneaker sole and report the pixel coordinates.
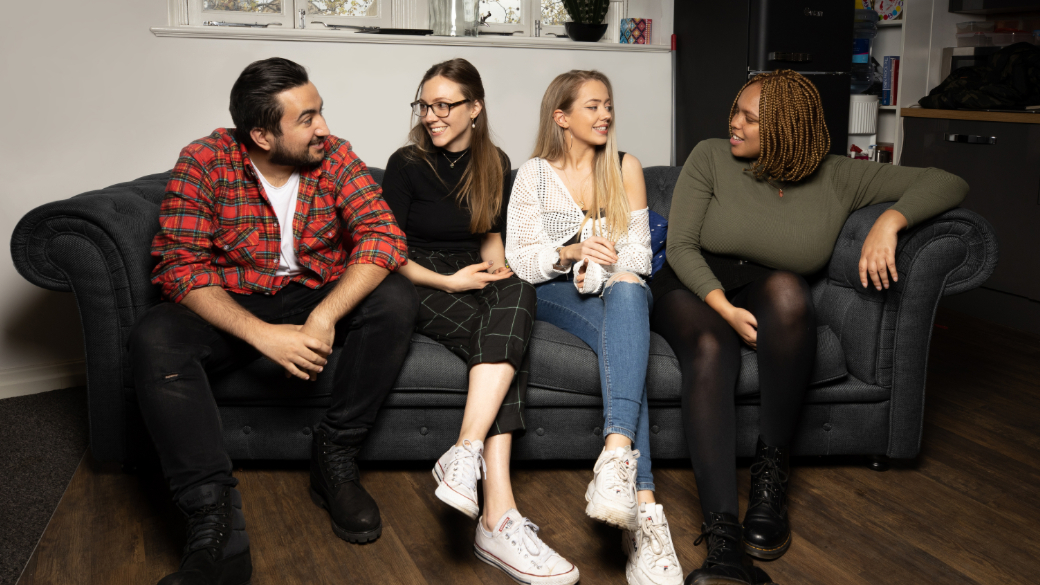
(565, 579)
(354, 537)
(638, 578)
(608, 515)
(767, 554)
(453, 498)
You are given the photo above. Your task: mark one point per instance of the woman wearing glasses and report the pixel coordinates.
(448, 191)
(579, 229)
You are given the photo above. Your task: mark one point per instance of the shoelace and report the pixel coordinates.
(526, 535)
(206, 527)
(657, 535)
(768, 481)
(623, 474)
(720, 543)
(340, 463)
(469, 459)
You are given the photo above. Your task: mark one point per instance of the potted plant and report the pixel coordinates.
(587, 19)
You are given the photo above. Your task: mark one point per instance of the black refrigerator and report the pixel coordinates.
(719, 45)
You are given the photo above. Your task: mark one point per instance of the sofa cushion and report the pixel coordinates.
(560, 363)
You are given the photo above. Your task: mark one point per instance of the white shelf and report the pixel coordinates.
(888, 108)
(884, 23)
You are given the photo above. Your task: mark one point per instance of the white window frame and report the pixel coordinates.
(530, 12)
(289, 18)
(186, 18)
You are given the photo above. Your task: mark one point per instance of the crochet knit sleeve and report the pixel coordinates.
(529, 250)
(633, 251)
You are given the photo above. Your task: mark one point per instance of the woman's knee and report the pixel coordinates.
(788, 296)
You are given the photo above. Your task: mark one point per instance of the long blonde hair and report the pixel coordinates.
(480, 189)
(609, 193)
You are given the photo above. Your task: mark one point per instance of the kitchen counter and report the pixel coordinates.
(974, 115)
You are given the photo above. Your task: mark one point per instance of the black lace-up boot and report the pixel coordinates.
(217, 551)
(335, 486)
(726, 563)
(767, 534)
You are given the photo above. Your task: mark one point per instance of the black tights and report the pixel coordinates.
(708, 350)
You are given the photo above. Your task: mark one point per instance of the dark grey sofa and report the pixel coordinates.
(867, 395)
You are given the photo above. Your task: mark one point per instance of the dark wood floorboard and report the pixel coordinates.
(964, 512)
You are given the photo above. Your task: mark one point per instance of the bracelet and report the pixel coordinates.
(558, 265)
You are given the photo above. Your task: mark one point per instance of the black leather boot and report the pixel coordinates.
(767, 534)
(335, 486)
(726, 563)
(217, 551)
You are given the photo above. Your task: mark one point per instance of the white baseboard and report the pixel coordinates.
(44, 378)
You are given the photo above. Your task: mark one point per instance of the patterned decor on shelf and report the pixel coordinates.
(636, 31)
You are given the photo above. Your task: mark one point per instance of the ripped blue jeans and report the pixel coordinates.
(616, 326)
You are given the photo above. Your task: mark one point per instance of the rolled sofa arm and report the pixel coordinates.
(96, 245)
(953, 252)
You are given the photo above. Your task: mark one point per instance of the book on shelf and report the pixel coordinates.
(890, 81)
(636, 31)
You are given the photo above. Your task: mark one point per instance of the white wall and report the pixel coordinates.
(90, 98)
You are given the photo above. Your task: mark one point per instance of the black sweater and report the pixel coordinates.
(425, 205)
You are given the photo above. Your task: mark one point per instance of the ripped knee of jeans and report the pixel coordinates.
(625, 276)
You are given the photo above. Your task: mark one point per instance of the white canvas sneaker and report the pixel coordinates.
(457, 472)
(612, 491)
(651, 555)
(514, 547)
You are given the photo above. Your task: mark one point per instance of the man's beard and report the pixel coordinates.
(300, 158)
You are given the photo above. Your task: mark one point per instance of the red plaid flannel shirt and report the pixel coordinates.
(218, 229)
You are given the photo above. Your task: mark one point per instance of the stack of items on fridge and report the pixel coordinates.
(998, 33)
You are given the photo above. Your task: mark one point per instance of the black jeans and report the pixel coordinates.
(174, 352)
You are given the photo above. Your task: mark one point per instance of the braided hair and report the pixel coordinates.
(792, 130)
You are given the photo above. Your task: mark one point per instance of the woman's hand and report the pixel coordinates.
(596, 248)
(476, 277)
(741, 320)
(745, 324)
(580, 278)
(877, 260)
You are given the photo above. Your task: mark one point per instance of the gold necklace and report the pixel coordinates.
(452, 162)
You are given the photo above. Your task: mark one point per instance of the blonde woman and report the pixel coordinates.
(579, 230)
(447, 189)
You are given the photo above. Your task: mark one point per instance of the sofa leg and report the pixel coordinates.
(878, 462)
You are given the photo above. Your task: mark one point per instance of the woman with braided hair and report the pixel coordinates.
(749, 220)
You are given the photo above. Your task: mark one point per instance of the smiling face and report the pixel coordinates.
(302, 142)
(744, 139)
(454, 131)
(591, 114)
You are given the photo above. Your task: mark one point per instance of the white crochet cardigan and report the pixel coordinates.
(542, 216)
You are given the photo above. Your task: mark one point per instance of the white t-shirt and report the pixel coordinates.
(283, 199)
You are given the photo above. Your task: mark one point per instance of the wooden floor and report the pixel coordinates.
(965, 512)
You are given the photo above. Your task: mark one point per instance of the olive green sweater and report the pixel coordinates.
(720, 207)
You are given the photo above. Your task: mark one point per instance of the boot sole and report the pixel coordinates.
(354, 537)
(767, 554)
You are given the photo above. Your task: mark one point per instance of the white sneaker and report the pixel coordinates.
(514, 547)
(457, 472)
(651, 555)
(612, 491)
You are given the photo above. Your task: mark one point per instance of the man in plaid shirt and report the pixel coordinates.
(274, 241)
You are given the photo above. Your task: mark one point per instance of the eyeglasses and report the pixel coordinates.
(440, 109)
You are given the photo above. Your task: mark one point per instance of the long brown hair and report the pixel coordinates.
(609, 192)
(791, 127)
(480, 190)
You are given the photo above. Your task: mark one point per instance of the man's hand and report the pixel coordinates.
(324, 332)
(878, 257)
(301, 354)
(477, 276)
